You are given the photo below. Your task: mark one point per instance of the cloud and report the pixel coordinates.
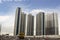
(35, 11)
(0, 1)
(7, 23)
(3, 18)
(47, 10)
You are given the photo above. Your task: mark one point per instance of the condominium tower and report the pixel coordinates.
(20, 19)
(30, 25)
(51, 24)
(40, 23)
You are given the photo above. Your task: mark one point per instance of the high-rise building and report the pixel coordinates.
(30, 25)
(17, 20)
(51, 24)
(40, 24)
(20, 21)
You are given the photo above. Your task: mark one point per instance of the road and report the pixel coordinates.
(4, 37)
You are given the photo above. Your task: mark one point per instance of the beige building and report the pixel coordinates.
(17, 19)
(30, 25)
(20, 22)
(51, 24)
(40, 23)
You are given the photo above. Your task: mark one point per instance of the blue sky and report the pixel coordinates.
(8, 8)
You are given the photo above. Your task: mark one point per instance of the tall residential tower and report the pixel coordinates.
(17, 19)
(20, 22)
(30, 25)
(51, 24)
(40, 23)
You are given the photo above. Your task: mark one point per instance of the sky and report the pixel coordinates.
(8, 9)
